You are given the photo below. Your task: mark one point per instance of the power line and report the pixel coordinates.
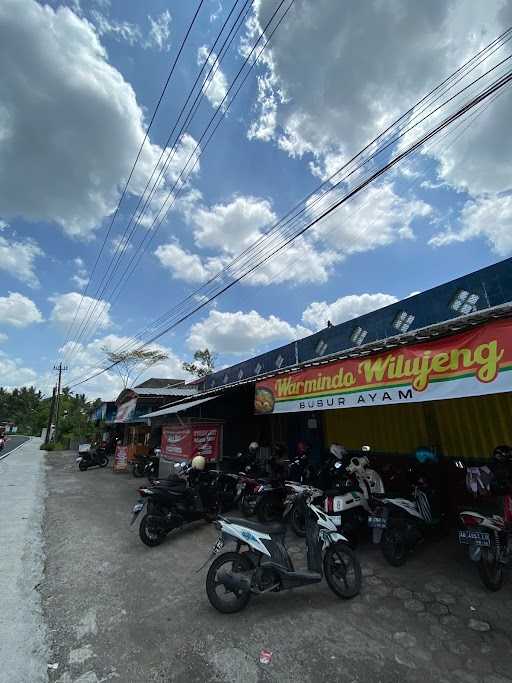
(475, 101)
(222, 109)
(125, 188)
(160, 322)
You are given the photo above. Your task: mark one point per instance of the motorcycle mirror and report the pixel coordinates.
(157, 451)
(337, 465)
(366, 448)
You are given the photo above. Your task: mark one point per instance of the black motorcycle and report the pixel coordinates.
(145, 466)
(186, 496)
(96, 457)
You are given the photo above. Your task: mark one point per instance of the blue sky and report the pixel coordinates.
(81, 83)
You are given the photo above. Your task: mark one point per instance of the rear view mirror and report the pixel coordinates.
(366, 448)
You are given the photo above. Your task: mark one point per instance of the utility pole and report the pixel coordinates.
(61, 368)
(50, 417)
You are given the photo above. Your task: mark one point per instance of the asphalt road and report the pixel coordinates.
(12, 443)
(116, 610)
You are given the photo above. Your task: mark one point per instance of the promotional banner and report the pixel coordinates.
(125, 410)
(471, 363)
(183, 443)
(120, 463)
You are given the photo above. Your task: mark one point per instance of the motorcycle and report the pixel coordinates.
(2, 443)
(403, 523)
(146, 465)
(266, 565)
(490, 544)
(92, 458)
(270, 499)
(172, 503)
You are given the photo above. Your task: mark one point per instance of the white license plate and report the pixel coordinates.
(377, 522)
(138, 507)
(480, 538)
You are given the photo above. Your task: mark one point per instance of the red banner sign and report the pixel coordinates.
(120, 463)
(183, 443)
(467, 364)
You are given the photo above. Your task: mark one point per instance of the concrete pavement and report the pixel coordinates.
(23, 642)
(117, 610)
(12, 443)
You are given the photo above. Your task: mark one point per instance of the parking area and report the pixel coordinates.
(117, 610)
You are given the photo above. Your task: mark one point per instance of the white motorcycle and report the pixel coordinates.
(490, 544)
(261, 562)
(352, 509)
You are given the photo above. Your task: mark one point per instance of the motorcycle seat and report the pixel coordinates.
(273, 528)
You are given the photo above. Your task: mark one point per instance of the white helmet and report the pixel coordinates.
(253, 446)
(198, 463)
(337, 450)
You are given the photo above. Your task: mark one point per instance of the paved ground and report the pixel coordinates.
(117, 610)
(12, 443)
(22, 632)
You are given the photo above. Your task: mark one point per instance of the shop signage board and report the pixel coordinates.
(183, 443)
(120, 459)
(471, 363)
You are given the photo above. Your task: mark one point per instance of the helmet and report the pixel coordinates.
(337, 450)
(424, 455)
(198, 463)
(358, 464)
(502, 453)
(253, 446)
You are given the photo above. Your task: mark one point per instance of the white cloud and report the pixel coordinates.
(67, 306)
(160, 31)
(80, 278)
(329, 114)
(3, 224)
(233, 226)
(488, 217)
(90, 358)
(61, 92)
(120, 30)
(17, 258)
(239, 332)
(14, 374)
(215, 86)
(374, 219)
(18, 310)
(345, 308)
(185, 265)
(3, 337)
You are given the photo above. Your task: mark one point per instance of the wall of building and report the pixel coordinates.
(462, 428)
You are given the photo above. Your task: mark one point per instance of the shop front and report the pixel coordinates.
(451, 394)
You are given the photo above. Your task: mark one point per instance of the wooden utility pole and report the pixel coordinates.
(61, 368)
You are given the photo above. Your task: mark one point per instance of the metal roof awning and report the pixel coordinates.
(180, 407)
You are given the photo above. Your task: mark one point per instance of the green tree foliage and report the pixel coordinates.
(29, 411)
(204, 365)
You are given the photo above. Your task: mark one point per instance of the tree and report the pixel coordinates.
(131, 364)
(204, 365)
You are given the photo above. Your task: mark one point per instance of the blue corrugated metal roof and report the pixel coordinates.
(485, 288)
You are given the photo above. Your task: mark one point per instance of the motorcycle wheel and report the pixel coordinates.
(394, 547)
(267, 510)
(150, 536)
(490, 570)
(82, 466)
(138, 470)
(342, 570)
(223, 599)
(298, 520)
(103, 461)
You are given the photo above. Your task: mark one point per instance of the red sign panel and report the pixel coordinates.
(120, 459)
(183, 443)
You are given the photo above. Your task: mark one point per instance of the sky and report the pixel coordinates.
(80, 81)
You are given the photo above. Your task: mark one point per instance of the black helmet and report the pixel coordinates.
(502, 454)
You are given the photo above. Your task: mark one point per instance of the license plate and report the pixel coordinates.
(377, 522)
(468, 537)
